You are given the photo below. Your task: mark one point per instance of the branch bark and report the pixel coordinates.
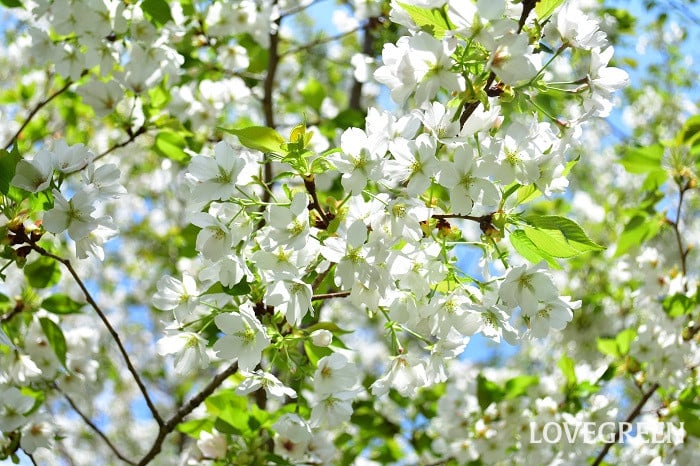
(631, 417)
(184, 410)
(268, 105)
(94, 428)
(115, 336)
(367, 45)
(30, 116)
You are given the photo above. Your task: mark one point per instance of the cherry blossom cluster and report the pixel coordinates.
(368, 245)
(386, 252)
(73, 207)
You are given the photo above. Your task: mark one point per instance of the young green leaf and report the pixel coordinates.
(157, 10)
(559, 236)
(8, 163)
(171, 144)
(61, 304)
(529, 250)
(545, 8)
(42, 273)
(56, 339)
(643, 159)
(432, 20)
(260, 138)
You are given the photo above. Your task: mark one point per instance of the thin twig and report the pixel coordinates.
(321, 41)
(631, 417)
(465, 217)
(337, 294)
(94, 428)
(184, 410)
(528, 6)
(35, 110)
(299, 9)
(115, 336)
(132, 136)
(676, 229)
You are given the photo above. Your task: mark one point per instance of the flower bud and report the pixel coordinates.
(321, 337)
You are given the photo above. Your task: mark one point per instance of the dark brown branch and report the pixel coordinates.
(132, 137)
(337, 294)
(631, 417)
(35, 110)
(469, 108)
(94, 428)
(115, 336)
(465, 217)
(267, 102)
(367, 45)
(528, 6)
(187, 408)
(676, 229)
(326, 217)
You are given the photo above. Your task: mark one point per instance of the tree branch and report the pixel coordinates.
(528, 6)
(317, 42)
(184, 410)
(132, 137)
(676, 229)
(367, 45)
(268, 89)
(631, 417)
(299, 9)
(465, 217)
(95, 429)
(35, 110)
(337, 294)
(115, 336)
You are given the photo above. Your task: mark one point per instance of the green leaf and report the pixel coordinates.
(608, 346)
(643, 159)
(487, 392)
(678, 305)
(567, 366)
(558, 236)
(171, 144)
(11, 3)
(518, 386)
(231, 409)
(42, 273)
(315, 353)
(56, 339)
(545, 8)
(690, 133)
(313, 94)
(529, 250)
(528, 193)
(195, 426)
(638, 230)
(624, 339)
(260, 138)
(349, 117)
(690, 416)
(157, 10)
(61, 304)
(8, 164)
(239, 289)
(434, 21)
